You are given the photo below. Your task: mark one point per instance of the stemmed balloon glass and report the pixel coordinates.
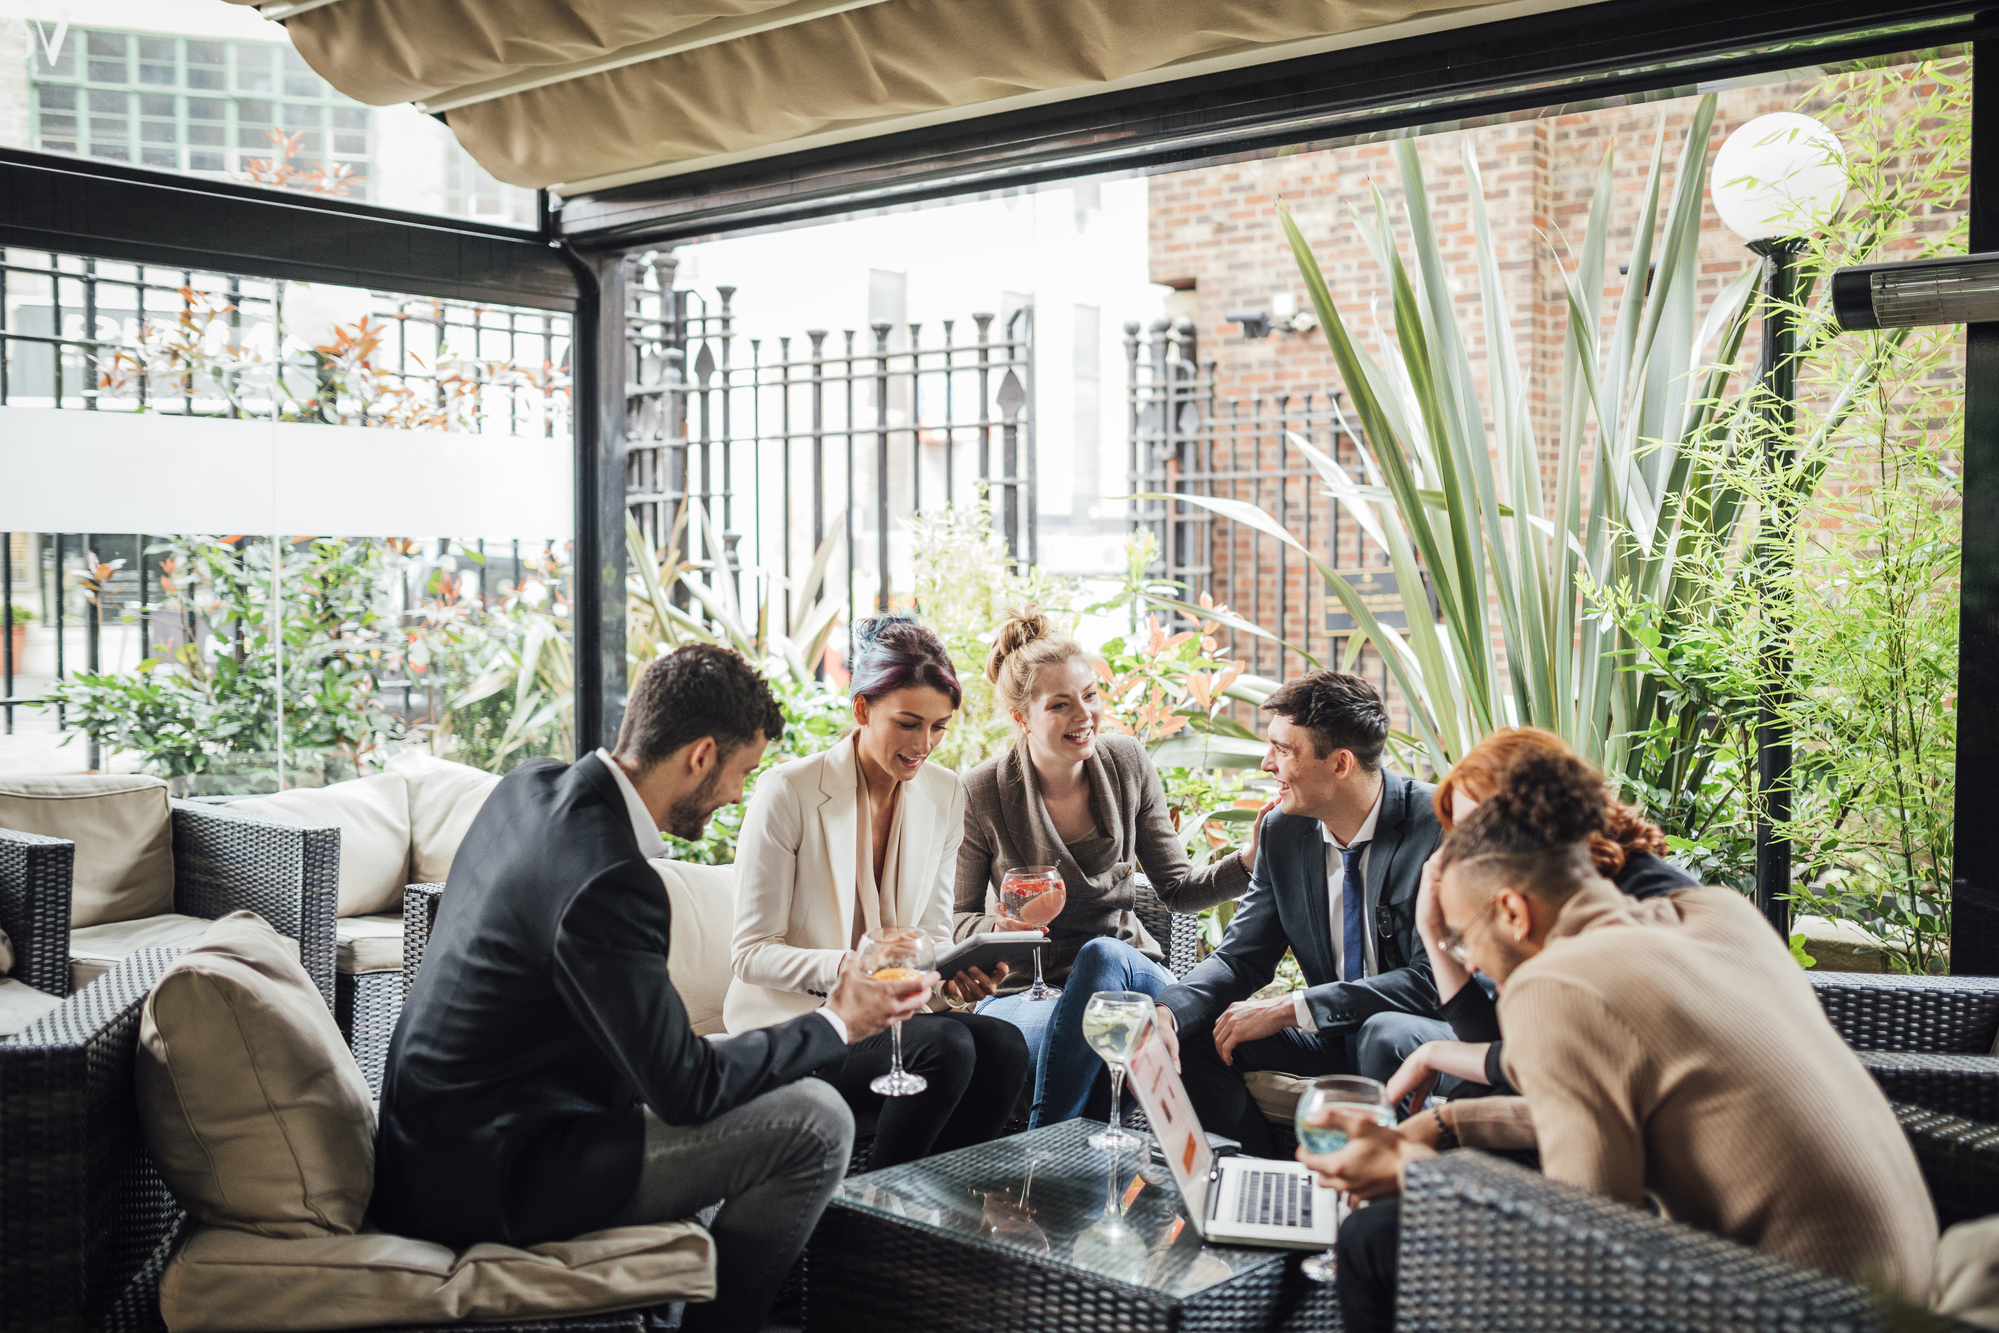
(1114, 1023)
(897, 953)
(1030, 897)
(1347, 1092)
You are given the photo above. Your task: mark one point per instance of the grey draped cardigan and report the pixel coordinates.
(1007, 825)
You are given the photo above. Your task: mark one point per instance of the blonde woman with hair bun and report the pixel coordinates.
(1073, 795)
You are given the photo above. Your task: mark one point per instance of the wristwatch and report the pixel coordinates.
(1447, 1138)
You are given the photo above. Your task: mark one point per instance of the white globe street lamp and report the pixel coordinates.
(1775, 181)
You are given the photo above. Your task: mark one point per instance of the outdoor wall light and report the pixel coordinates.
(1255, 323)
(1776, 180)
(1953, 289)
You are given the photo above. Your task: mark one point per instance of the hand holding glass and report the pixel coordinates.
(902, 954)
(1030, 897)
(1348, 1092)
(1114, 1024)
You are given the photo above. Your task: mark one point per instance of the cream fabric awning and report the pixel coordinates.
(575, 95)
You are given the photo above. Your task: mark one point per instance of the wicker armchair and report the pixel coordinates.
(223, 863)
(1493, 1248)
(1927, 1040)
(85, 1221)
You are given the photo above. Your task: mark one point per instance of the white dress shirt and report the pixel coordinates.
(1336, 886)
(651, 845)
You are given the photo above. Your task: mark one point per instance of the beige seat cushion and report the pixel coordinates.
(252, 1108)
(1275, 1094)
(444, 799)
(703, 899)
(368, 944)
(226, 1281)
(21, 1004)
(123, 831)
(95, 950)
(373, 816)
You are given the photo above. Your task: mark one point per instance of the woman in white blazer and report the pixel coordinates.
(857, 837)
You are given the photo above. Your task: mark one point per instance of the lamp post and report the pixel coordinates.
(1775, 180)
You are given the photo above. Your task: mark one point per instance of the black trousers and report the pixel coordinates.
(976, 1067)
(1221, 1099)
(1367, 1254)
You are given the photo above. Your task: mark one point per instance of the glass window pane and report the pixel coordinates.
(303, 85)
(58, 145)
(106, 127)
(204, 162)
(206, 53)
(299, 117)
(249, 136)
(161, 157)
(56, 99)
(209, 134)
(107, 71)
(106, 43)
(356, 144)
(158, 48)
(159, 75)
(155, 104)
(253, 110)
(350, 118)
(111, 153)
(207, 108)
(156, 131)
(105, 102)
(65, 61)
(254, 80)
(204, 78)
(64, 125)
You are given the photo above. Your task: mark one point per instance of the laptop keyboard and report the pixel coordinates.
(1273, 1199)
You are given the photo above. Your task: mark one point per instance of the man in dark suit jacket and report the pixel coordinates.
(544, 1081)
(1340, 861)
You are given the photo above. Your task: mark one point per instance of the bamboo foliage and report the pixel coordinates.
(1452, 483)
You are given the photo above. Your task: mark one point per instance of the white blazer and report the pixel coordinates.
(795, 863)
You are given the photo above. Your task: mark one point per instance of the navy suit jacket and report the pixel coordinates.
(543, 1019)
(1286, 908)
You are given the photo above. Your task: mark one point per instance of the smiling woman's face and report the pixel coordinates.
(898, 730)
(1067, 714)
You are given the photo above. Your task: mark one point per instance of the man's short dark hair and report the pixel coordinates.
(700, 690)
(1342, 712)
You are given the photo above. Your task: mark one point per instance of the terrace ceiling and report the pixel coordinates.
(577, 96)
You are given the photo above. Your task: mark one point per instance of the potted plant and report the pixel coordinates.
(22, 616)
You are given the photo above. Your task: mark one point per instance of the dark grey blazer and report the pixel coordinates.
(1286, 908)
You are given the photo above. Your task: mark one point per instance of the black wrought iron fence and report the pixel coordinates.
(787, 438)
(83, 334)
(1187, 437)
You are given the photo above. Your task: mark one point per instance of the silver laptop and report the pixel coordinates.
(1241, 1200)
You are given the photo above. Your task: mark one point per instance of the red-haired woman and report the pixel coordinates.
(1630, 854)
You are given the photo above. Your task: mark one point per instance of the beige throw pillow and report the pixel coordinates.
(229, 1282)
(252, 1108)
(703, 902)
(123, 831)
(444, 800)
(373, 816)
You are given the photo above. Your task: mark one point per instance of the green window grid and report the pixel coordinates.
(191, 104)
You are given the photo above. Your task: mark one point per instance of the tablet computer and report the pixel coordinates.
(986, 951)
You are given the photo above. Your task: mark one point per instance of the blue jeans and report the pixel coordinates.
(1065, 1068)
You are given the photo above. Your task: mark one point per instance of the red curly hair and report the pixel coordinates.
(1477, 775)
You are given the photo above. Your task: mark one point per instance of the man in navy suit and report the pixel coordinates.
(1340, 860)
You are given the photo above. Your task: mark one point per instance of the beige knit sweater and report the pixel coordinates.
(1672, 1046)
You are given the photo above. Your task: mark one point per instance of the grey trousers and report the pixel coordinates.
(772, 1163)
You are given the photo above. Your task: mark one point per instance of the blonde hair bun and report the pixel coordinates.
(1019, 629)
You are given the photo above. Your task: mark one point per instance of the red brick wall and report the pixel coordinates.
(1215, 234)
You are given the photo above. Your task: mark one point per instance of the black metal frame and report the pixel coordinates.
(1524, 64)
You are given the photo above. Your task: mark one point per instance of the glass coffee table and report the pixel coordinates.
(1015, 1234)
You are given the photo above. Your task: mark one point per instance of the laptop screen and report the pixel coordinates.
(1164, 1098)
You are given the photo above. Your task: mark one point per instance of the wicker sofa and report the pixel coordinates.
(221, 862)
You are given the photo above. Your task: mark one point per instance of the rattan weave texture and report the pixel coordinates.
(35, 877)
(287, 874)
(1960, 1085)
(81, 1206)
(419, 914)
(1178, 933)
(1959, 1158)
(1489, 1247)
(1886, 1012)
(366, 1006)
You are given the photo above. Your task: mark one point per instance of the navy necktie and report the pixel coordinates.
(1353, 899)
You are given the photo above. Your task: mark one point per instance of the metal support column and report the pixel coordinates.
(597, 352)
(1974, 929)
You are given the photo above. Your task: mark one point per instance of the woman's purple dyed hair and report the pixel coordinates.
(893, 652)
